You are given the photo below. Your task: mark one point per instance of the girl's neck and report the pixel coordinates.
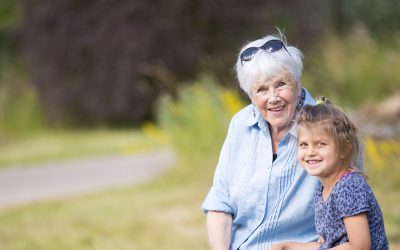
(329, 182)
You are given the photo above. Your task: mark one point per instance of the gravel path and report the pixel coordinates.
(21, 185)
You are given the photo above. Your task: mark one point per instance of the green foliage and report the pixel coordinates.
(20, 111)
(352, 69)
(197, 120)
(9, 14)
(381, 17)
(382, 157)
(113, 71)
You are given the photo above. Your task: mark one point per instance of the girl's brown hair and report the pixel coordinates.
(335, 122)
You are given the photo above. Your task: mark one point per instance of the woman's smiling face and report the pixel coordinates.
(276, 98)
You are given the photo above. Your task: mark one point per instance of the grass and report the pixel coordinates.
(158, 215)
(164, 213)
(62, 145)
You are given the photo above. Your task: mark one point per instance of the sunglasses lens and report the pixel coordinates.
(248, 54)
(272, 46)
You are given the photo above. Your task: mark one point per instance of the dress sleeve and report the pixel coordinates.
(218, 198)
(352, 197)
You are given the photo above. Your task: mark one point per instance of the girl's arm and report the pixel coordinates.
(219, 227)
(295, 246)
(358, 233)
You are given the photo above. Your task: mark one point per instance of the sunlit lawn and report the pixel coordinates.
(61, 145)
(162, 214)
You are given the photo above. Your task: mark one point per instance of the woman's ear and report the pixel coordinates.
(299, 89)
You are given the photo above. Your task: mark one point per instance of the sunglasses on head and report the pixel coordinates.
(270, 46)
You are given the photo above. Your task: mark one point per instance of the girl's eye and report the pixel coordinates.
(321, 144)
(303, 145)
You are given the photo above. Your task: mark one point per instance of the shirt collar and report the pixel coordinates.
(251, 116)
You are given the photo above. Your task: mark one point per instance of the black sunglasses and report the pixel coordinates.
(270, 46)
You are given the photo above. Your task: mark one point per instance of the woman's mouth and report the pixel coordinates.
(276, 109)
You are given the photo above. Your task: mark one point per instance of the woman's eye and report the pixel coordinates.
(262, 90)
(281, 84)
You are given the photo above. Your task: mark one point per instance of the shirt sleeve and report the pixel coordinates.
(352, 197)
(218, 198)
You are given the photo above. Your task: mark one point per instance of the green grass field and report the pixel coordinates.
(63, 144)
(163, 213)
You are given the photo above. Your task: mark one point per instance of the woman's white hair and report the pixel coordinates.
(266, 64)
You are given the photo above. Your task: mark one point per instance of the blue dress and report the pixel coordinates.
(350, 196)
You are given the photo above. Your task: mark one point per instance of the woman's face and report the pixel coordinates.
(276, 98)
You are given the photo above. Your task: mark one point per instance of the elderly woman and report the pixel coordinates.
(260, 194)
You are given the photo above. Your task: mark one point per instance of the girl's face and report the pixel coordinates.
(318, 153)
(276, 99)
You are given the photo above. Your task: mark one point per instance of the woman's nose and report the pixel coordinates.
(272, 95)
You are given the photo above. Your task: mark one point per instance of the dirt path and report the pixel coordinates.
(21, 185)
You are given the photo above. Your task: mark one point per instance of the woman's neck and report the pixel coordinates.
(277, 135)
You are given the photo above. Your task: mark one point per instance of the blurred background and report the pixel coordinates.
(95, 77)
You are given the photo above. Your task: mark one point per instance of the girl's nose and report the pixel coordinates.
(310, 151)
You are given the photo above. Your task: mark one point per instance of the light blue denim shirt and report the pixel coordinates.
(269, 201)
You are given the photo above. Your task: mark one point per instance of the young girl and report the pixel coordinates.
(347, 215)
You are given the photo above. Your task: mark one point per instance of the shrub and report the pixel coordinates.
(198, 118)
(353, 69)
(382, 157)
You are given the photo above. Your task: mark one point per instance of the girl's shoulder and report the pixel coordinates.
(351, 187)
(352, 180)
(352, 195)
